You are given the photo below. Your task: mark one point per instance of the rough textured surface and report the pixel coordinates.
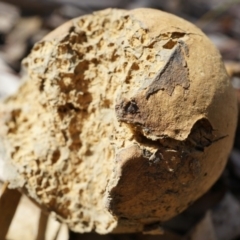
(124, 119)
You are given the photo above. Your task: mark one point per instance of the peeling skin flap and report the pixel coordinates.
(174, 73)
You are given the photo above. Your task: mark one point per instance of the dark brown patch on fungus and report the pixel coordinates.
(174, 73)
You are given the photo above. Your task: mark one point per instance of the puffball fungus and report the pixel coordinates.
(123, 120)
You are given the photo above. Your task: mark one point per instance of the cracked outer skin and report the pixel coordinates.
(124, 119)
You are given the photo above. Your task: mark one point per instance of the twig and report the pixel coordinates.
(9, 199)
(42, 226)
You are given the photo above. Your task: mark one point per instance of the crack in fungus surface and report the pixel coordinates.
(154, 162)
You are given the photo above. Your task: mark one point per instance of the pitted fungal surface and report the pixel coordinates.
(75, 81)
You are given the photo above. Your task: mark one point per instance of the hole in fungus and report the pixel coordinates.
(55, 156)
(135, 66)
(170, 44)
(149, 57)
(67, 107)
(131, 107)
(106, 103)
(41, 85)
(175, 35)
(110, 44)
